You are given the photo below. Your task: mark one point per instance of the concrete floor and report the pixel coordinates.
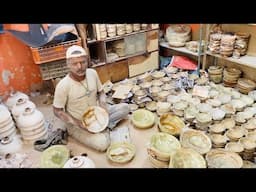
(140, 138)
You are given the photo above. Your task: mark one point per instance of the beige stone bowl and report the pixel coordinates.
(143, 118)
(163, 145)
(96, 119)
(121, 152)
(171, 124)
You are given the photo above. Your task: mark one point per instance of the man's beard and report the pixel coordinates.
(80, 73)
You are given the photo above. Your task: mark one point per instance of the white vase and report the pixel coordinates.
(35, 136)
(10, 145)
(4, 114)
(12, 100)
(6, 123)
(8, 127)
(8, 133)
(31, 125)
(30, 117)
(79, 162)
(20, 106)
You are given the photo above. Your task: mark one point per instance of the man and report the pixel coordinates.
(77, 91)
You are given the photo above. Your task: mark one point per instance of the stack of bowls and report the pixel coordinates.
(245, 85)
(215, 73)
(231, 75)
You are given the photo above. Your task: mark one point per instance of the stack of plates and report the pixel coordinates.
(214, 43)
(120, 29)
(111, 30)
(136, 27)
(218, 140)
(241, 43)
(235, 134)
(227, 45)
(144, 26)
(128, 28)
(235, 147)
(103, 31)
(154, 90)
(151, 106)
(158, 74)
(249, 148)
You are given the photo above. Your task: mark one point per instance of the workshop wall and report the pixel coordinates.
(17, 68)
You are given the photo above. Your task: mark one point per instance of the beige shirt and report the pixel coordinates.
(75, 97)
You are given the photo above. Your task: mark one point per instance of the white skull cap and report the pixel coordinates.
(75, 51)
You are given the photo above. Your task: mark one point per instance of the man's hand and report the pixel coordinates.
(80, 124)
(67, 118)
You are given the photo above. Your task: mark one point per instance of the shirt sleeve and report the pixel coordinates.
(60, 95)
(98, 82)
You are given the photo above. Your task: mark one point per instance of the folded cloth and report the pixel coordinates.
(56, 137)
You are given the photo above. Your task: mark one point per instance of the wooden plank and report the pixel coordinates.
(137, 59)
(103, 73)
(97, 51)
(125, 57)
(81, 28)
(141, 64)
(118, 70)
(152, 40)
(113, 71)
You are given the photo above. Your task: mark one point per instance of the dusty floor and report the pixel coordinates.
(140, 138)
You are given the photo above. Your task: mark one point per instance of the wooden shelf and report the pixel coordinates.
(119, 68)
(121, 58)
(98, 64)
(132, 55)
(120, 36)
(124, 35)
(246, 60)
(125, 57)
(180, 49)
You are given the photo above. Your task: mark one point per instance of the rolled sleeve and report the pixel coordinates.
(60, 96)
